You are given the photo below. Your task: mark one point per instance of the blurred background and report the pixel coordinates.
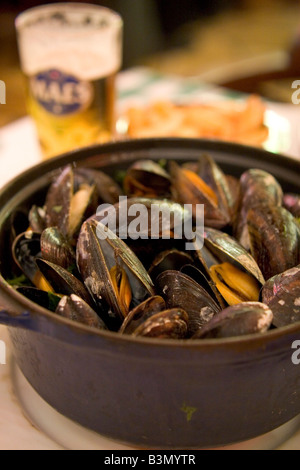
(248, 45)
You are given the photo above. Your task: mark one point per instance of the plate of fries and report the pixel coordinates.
(229, 120)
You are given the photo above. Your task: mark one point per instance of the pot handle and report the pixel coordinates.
(41, 325)
(27, 321)
(17, 316)
(23, 320)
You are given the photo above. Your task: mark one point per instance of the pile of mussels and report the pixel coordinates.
(245, 279)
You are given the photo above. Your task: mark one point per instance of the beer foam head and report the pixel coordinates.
(83, 40)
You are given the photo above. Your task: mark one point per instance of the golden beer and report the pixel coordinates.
(92, 122)
(70, 54)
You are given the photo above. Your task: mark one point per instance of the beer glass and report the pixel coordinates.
(70, 54)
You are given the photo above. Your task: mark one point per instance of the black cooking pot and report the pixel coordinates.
(145, 392)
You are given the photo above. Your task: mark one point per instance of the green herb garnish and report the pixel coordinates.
(163, 163)
(120, 176)
(57, 209)
(53, 300)
(19, 281)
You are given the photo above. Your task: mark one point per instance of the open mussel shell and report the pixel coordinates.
(212, 174)
(169, 324)
(141, 313)
(107, 189)
(238, 320)
(222, 248)
(66, 206)
(282, 294)
(233, 274)
(274, 239)
(257, 187)
(114, 276)
(170, 260)
(26, 249)
(37, 219)
(148, 179)
(200, 278)
(76, 309)
(58, 200)
(138, 219)
(189, 188)
(181, 291)
(62, 281)
(56, 248)
(18, 221)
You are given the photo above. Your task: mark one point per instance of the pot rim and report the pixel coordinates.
(28, 306)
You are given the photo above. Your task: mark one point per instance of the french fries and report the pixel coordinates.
(229, 121)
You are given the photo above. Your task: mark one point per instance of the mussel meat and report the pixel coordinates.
(232, 270)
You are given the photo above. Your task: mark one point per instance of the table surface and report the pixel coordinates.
(19, 150)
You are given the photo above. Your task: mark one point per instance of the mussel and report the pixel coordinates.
(141, 313)
(113, 275)
(232, 270)
(132, 267)
(67, 206)
(143, 218)
(25, 250)
(152, 319)
(180, 291)
(169, 324)
(257, 187)
(108, 191)
(238, 320)
(37, 219)
(148, 179)
(282, 294)
(170, 260)
(74, 308)
(138, 220)
(56, 248)
(62, 281)
(274, 239)
(207, 186)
